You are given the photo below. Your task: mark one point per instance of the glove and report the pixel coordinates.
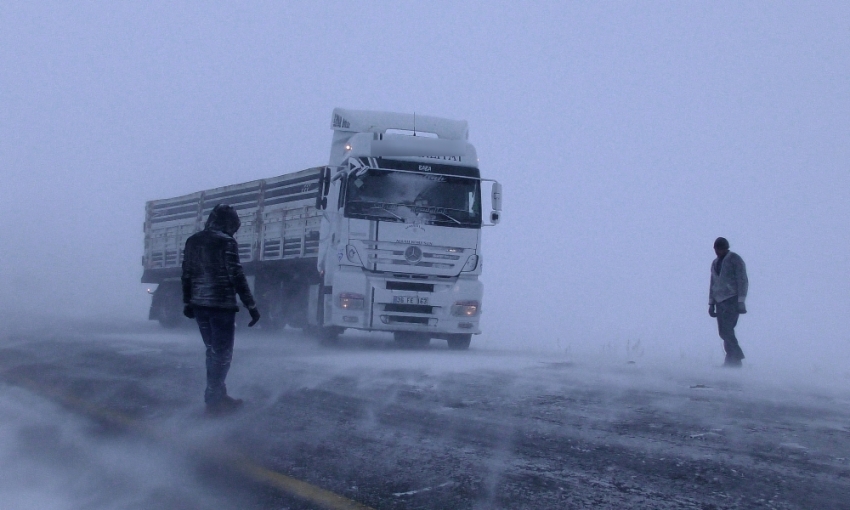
(742, 308)
(189, 312)
(712, 311)
(255, 316)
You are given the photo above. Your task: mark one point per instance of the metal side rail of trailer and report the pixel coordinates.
(278, 240)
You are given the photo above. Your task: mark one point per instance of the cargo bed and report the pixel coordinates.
(280, 224)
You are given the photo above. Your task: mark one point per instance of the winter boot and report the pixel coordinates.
(226, 405)
(732, 362)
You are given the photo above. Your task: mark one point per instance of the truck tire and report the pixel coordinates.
(296, 307)
(170, 316)
(273, 316)
(460, 342)
(167, 305)
(271, 301)
(412, 339)
(326, 335)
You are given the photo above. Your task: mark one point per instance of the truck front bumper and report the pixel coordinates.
(389, 302)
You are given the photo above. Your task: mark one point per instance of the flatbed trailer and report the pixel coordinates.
(278, 243)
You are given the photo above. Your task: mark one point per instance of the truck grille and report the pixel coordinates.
(399, 257)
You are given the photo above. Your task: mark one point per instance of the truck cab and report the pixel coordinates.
(400, 236)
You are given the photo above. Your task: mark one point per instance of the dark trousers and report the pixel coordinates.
(217, 327)
(727, 319)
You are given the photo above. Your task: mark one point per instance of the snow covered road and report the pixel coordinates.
(111, 416)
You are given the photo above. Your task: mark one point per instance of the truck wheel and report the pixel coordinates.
(327, 335)
(170, 315)
(296, 307)
(412, 339)
(167, 305)
(271, 301)
(460, 342)
(272, 317)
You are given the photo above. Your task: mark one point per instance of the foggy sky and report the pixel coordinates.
(627, 136)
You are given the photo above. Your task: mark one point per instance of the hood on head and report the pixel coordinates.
(223, 218)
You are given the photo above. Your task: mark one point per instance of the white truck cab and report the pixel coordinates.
(400, 235)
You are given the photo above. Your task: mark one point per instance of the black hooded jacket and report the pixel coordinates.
(212, 273)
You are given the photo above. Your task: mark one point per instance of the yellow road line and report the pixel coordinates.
(293, 486)
(298, 488)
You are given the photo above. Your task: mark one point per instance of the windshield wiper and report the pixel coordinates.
(381, 207)
(434, 210)
(384, 206)
(449, 216)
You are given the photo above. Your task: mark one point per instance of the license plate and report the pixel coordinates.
(410, 300)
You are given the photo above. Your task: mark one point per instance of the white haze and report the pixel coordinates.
(50, 461)
(628, 135)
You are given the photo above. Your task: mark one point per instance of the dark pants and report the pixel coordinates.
(727, 319)
(217, 327)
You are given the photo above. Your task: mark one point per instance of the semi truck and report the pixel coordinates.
(385, 237)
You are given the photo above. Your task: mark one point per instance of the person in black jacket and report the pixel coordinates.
(212, 276)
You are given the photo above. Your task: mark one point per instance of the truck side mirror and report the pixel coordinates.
(496, 196)
(326, 181)
(323, 188)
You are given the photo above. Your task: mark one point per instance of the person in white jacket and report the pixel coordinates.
(726, 297)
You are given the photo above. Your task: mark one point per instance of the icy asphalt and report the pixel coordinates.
(110, 416)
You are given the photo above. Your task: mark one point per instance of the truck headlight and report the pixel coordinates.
(352, 255)
(351, 301)
(471, 263)
(466, 308)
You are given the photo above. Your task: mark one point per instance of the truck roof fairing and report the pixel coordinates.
(365, 133)
(363, 121)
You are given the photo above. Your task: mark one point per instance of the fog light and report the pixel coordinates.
(465, 325)
(465, 309)
(471, 263)
(351, 301)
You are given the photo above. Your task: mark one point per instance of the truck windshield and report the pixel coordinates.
(387, 195)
